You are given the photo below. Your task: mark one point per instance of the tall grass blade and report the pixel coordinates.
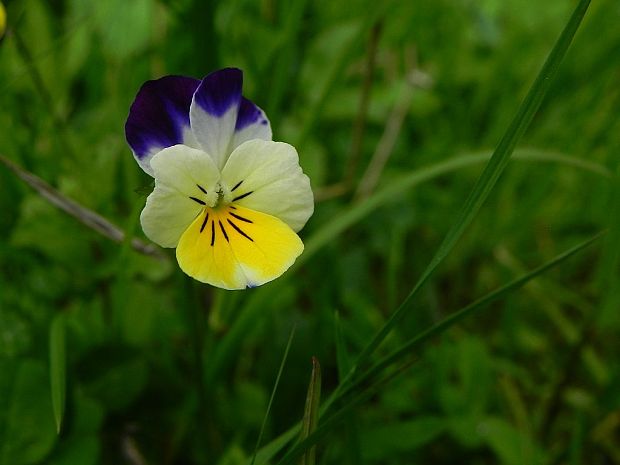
(338, 417)
(58, 372)
(491, 173)
(608, 278)
(346, 387)
(342, 357)
(364, 386)
(418, 341)
(311, 412)
(351, 427)
(273, 394)
(427, 173)
(264, 455)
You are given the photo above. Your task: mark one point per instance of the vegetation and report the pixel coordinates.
(459, 297)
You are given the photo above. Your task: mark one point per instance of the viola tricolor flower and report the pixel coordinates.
(226, 196)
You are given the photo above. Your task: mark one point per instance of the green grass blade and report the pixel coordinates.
(396, 188)
(343, 414)
(406, 349)
(364, 387)
(491, 173)
(351, 427)
(58, 374)
(607, 273)
(345, 388)
(273, 394)
(269, 451)
(342, 357)
(311, 412)
(299, 448)
(538, 155)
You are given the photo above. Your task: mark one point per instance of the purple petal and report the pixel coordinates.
(220, 91)
(249, 114)
(159, 116)
(251, 124)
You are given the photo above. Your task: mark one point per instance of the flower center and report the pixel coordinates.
(215, 198)
(220, 196)
(219, 211)
(224, 196)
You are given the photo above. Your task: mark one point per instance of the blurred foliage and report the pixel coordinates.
(162, 370)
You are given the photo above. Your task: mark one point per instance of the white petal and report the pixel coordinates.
(221, 118)
(213, 112)
(270, 173)
(182, 174)
(167, 215)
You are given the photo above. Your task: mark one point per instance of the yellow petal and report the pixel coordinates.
(234, 247)
(2, 20)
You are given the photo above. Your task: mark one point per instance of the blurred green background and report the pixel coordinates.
(164, 370)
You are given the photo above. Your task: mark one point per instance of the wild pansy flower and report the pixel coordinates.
(226, 196)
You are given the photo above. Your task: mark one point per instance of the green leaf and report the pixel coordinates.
(311, 411)
(81, 444)
(29, 432)
(381, 441)
(512, 447)
(58, 375)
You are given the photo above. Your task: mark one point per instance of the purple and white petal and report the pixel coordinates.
(213, 112)
(252, 123)
(159, 117)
